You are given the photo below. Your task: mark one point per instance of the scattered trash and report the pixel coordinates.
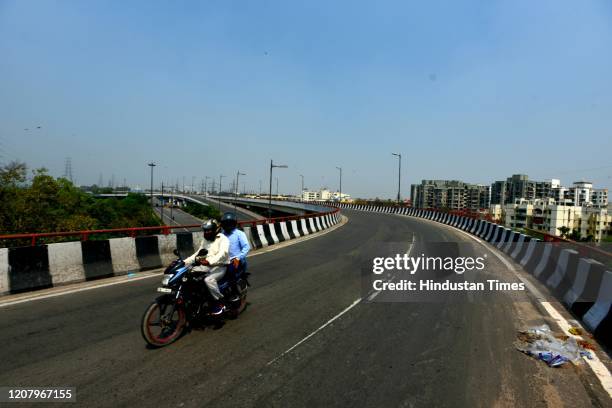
(576, 331)
(586, 345)
(555, 350)
(131, 275)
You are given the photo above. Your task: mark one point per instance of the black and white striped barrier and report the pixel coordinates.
(583, 285)
(30, 268)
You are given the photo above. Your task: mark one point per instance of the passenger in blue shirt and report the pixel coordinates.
(239, 244)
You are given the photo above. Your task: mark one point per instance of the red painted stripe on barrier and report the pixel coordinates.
(164, 229)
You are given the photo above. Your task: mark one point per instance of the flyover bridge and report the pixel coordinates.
(311, 336)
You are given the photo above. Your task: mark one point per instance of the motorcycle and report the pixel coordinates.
(185, 301)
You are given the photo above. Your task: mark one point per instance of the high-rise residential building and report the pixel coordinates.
(516, 187)
(583, 193)
(519, 187)
(449, 194)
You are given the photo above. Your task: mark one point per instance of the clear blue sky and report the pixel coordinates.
(470, 90)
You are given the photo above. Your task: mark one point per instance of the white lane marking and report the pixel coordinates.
(599, 369)
(153, 274)
(330, 321)
(376, 293)
(355, 303)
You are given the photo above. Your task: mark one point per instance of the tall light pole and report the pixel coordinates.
(399, 176)
(192, 184)
(272, 165)
(171, 203)
(206, 185)
(238, 174)
(302, 190)
(162, 202)
(340, 168)
(152, 164)
(220, 177)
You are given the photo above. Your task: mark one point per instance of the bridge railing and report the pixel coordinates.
(35, 238)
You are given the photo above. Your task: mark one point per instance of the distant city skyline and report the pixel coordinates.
(473, 91)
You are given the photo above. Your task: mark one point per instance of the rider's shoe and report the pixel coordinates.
(217, 309)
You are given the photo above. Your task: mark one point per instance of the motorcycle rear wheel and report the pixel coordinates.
(233, 312)
(158, 328)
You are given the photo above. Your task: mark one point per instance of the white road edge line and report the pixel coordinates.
(149, 275)
(599, 369)
(75, 290)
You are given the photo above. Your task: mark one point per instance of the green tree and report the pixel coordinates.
(575, 235)
(56, 205)
(564, 231)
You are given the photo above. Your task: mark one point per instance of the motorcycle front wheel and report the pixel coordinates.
(163, 322)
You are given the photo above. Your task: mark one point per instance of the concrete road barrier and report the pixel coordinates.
(37, 267)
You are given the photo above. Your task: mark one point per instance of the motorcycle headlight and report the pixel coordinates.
(166, 279)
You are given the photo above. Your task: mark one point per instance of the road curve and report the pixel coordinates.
(444, 353)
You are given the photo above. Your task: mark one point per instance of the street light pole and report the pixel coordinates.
(206, 185)
(302, 190)
(220, 177)
(238, 174)
(171, 203)
(152, 164)
(399, 176)
(272, 165)
(162, 202)
(340, 168)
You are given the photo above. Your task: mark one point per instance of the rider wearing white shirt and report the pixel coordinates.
(214, 264)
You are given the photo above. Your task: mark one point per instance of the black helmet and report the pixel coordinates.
(229, 221)
(210, 229)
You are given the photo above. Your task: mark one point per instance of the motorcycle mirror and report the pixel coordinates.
(176, 252)
(203, 252)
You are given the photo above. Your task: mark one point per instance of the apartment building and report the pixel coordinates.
(325, 195)
(449, 194)
(548, 216)
(520, 187)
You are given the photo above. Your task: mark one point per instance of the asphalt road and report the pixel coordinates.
(242, 214)
(179, 217)
(446, 352)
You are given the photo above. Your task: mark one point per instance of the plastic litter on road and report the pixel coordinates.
(576, 331)
(555, 350)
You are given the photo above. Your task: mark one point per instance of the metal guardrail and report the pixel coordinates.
(133, 232)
